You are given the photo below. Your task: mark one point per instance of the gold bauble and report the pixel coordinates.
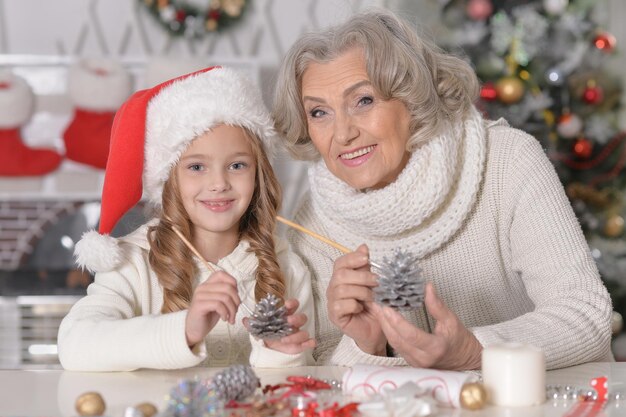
(211, 25)
(147, 409)
(510, 90)
(614, 226)
(473, 396)
(90, 404)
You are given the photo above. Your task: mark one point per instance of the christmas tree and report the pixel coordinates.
(545, 67)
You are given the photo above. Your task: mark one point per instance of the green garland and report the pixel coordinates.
(179, 18)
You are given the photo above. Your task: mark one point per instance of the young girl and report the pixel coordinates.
(154, 304)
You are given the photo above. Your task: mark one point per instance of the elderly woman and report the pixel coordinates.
(402, 159)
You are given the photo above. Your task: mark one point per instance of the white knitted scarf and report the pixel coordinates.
(421, 210)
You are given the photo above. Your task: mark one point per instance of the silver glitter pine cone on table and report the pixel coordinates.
(268, 320)
(235, 383)
(400, 282)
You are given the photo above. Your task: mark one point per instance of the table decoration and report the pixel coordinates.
(514, 375)
(364, 381)
(90, 404)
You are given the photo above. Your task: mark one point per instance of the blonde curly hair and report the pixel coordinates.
(172, 261)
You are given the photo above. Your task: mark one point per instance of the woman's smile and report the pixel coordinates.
(358, 156)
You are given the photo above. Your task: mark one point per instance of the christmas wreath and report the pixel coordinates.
(180, 18)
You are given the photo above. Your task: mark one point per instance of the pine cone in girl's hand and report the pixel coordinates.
(269, 321)
(400, 282)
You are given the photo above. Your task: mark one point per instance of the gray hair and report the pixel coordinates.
(437, 88)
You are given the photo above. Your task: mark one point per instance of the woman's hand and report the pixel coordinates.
(350, 300)
(214, 299)
(299, 340)
(450, 346)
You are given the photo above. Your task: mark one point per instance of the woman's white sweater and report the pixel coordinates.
(516, 269)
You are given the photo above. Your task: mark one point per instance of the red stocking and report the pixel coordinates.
(16, 109)
(97, 88)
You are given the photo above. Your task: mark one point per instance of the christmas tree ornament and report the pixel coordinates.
(582, 148)
(614, 226)
(193, 398)
(479, 9)
(400, 282)
(604, 41)
(617, 323)
(473, 396)
(235, 383)
(17, 105)
(592, 94)
(554, 76)
(569, 125)
(555, 7)
(269, 320)
(588, 194)
(97, 88)
(488, 92)
(510, 89)
(90, 404)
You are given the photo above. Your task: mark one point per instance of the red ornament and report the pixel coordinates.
(583, 148)
(180, 15)
(213, 14)
(605, 42)
(488, 92)
(479, 9)
(593, 94)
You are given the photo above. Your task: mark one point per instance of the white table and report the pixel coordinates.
(52, 393)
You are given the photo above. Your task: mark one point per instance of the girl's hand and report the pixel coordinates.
(214, 299)
(450, 346)
(299, 340)
(350, 301)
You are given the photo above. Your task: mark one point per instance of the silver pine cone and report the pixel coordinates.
(400, 282)
(269, 321)
(235, 383)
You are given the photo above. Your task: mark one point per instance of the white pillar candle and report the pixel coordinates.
(514, 375)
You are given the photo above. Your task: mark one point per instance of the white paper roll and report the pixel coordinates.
(514, 375)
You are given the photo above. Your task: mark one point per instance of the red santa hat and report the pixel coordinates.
(150, 132)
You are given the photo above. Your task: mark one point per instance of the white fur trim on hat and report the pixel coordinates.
(188, 108)
(99, 84)
(98, 253)
(17, 101)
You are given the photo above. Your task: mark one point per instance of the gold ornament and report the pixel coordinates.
(211, 25)
(147, 409)
(473, 396)
(161, 4)
(588, 194)
(510, 90)
(614, 226)
(90, 404)
(232, 7)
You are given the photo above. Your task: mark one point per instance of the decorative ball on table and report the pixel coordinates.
(235, 383)
(400, 282)
(147, 409)
(193, 398)
(90, 404)
(510, 89)
(473, 396)
(269, 321)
